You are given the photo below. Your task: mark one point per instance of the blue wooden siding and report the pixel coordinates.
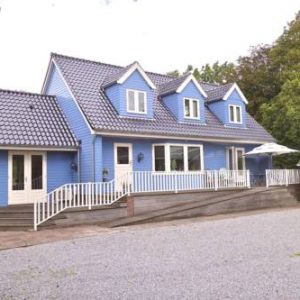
(221, 109)
(175, 104)
(172, 104)
(98, 158)
(59, 170)
(3, 178)
(118, 96)
(56, 86)
(214, 154)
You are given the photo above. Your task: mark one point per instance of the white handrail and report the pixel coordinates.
(106, 193)
(282, 177)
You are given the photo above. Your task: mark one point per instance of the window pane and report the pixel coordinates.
(238, 114)
(240, 159)
(142, 106)
(18, 172)
(130, 100)
(159, 158)
(176, 158)
(231, 113)
(37, 172)
(195, 108)
(194, 159)
(123, 155)
(187, 112)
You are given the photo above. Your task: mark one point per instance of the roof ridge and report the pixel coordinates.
(26, 93)
(85, 60)
(221, 86)
(106, 64)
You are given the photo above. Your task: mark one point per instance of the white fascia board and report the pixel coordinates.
(235, 87)
(199, 139)
(36, 148)
(46, 79)
(193, 79)
(137, 67)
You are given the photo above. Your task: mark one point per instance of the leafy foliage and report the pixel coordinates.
(270, 79)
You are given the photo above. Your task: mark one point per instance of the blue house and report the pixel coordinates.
(95, 122)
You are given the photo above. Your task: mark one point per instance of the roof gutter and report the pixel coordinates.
(37, 148)
(199, 139)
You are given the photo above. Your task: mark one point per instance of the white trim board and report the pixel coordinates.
(134, 67)
(199, 139)
(235, 87)
(22, 148)
(187, 81)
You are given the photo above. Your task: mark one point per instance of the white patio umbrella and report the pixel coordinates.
(270, 149)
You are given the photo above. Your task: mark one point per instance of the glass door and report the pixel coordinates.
(27, 177)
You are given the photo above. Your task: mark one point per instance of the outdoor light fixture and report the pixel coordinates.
(74, 166)
(140, 157)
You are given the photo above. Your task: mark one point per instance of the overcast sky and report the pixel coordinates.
(162, 35)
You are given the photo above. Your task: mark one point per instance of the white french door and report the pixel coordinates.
(123, 163)
(26, 176)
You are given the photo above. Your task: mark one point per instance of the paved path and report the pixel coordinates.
(249, 257)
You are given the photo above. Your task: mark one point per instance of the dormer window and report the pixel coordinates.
(191, 108)
(235, 114)
(136, 102)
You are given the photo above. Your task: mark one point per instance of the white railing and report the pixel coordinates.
(77, 195)
(143, 181)
(106, 193)
(282, 177)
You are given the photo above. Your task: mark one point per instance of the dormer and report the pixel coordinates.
(184, 98)
(228, 104)
(131, 91)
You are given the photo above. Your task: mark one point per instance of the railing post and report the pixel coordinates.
(90, 195)
(216, 180)
(248, 179)
(34, 216)
(286, 177)
(176, 184)
(127, 183)
(267, 178)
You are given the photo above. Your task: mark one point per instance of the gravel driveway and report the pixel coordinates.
(249, 257)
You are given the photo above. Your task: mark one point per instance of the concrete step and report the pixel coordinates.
(16, 221)
(15, 227)
(16, 215)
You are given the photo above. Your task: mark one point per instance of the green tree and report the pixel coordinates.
(282, 118)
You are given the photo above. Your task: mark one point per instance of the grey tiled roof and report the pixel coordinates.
(171, 86)
(28, 119)
(209, 86)
(218, 92)
(85, 78)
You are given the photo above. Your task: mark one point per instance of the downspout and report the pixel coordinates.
(79, 162)
(93, 158)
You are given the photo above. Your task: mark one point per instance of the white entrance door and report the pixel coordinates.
(123, 163)
(27, 176)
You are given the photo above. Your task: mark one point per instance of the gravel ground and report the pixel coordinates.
(249, 257)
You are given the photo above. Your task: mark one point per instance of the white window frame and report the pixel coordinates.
(235, 121)
(185, 156)
(191, 108)
(136, 102)
(235, 157)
